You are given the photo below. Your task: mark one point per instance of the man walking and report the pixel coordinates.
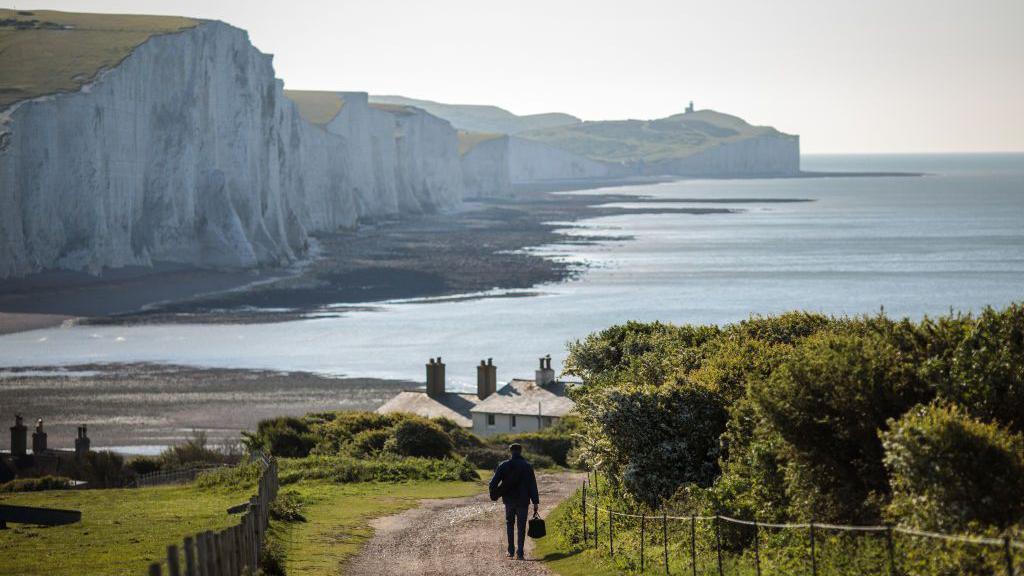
(515, 481)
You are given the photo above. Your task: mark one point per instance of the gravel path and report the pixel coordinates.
(464, 536)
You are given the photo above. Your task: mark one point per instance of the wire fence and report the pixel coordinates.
(719, 544)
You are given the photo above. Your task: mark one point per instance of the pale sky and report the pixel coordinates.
(848, 76)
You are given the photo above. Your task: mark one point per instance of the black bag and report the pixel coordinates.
(536, 527)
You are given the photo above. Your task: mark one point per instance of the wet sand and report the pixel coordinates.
(140, 405)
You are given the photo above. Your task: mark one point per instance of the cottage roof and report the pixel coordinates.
(524, 396)
(449, 405)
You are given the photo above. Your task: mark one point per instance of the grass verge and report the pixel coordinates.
(121, 531)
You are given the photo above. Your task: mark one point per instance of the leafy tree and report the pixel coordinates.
(827, 401)
(661, 438)
(988, 368)
(952, 472)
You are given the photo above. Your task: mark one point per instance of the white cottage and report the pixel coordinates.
(523, 405)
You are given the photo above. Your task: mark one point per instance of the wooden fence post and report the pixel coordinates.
(814, 560)
(173, 566)
(643, 519)
(211, 554)
(597, 525)
(585, 511)
(664, 537)
(190, 558)
(611, 532)
(154, 569)
(200, 544)
(1009, 555)
(757, 549)
(892, 551)
(718, 544)
(693, 544)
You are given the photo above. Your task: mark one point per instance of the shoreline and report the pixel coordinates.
(464, 254)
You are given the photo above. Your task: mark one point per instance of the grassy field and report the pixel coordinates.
(121, 531)
(337, 518)
(44, 52)
(316, 107)
(676, 136)
(467, 140)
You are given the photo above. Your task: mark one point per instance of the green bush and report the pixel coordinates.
(286, 437)
(462, 439)
(287, 507)
(145, 464)
(334, 435)
(486, 458)
(951, 472)
(106, 469)
(194, 451)
(420, 437)
(344, 469)
(370, 442)
(241, 476)
(36, 484)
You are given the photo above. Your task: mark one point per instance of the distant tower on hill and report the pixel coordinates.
(690, 107)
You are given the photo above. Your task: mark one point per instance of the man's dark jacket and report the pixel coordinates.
(515, 478)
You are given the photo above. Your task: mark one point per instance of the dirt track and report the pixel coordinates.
(464, 536)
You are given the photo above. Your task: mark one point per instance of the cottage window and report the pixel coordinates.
(513, 420)
(490, 419)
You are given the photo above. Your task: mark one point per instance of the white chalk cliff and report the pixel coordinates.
(188, 151)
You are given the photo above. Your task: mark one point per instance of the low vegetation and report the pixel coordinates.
(121, 531)
(44, 51)
(807, 418)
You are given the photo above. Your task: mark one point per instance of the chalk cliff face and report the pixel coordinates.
(770, 155)
(485, 169)
(532, 161)
(189, 152)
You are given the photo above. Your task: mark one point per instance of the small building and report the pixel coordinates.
(520, 406)
(524, 405)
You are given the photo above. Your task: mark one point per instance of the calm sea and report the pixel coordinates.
(913, 245)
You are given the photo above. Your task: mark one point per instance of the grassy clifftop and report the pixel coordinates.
(478, 118)
(44, 52)
(650, 140)
(316, 107)
(469, 140)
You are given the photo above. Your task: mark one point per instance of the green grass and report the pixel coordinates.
(121, 531)
(317, 107)
(65, 50)
(338, 515)
(668, 138)
(469, 140)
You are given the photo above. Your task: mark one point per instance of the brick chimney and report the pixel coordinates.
(486, 379)
(39, 438)
(545, 375)
(435, 377)
(81, 443)
(19, 437)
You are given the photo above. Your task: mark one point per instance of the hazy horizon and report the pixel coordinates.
(918, 77)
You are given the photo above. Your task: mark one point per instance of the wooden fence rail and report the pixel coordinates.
(234, 551)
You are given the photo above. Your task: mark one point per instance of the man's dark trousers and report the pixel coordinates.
(515, 513)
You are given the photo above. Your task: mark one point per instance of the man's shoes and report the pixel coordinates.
(511, 555)
(520, 556)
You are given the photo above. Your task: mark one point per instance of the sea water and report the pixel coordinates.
(950, 239)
